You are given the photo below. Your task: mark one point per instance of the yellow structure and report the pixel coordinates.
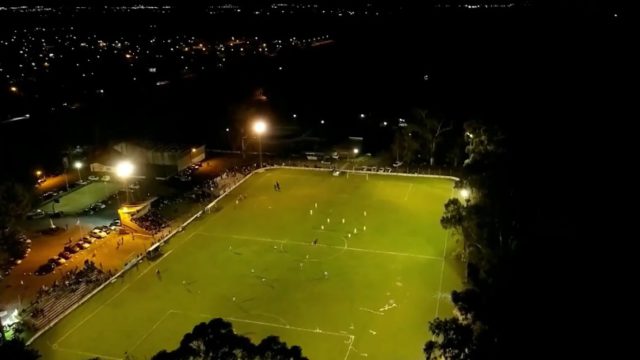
(130, 211)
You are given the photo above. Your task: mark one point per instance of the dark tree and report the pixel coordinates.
(489, 229)
(15, 202)
(216, 340)
(420, 136)
(455, 340)
(453, 215)
(18, 350)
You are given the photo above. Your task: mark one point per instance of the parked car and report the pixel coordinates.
(93, 178)
(65, 255)
(82, 245)
(45, 269)
(134, 186)
(106, 178)
(88, 239)
(72, 249)
(100, 234)
(48, 195)
(59, 261)
(98, 206)
(105, 228)
(35, 214)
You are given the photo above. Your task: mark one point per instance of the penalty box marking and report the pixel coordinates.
(323, 245)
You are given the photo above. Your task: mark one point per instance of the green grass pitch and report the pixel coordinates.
(76, 201)
(254, 263)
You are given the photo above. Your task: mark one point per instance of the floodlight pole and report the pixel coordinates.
(260, 148)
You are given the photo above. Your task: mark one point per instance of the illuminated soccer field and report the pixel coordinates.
(369, 286)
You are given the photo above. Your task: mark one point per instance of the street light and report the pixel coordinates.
(260, 127)
(124, 169)
(78, 166)
(466, 195)
(193, 150)
(38, 173)
(355, 153)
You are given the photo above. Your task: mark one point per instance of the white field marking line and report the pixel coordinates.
(406, 196)
(177, 246)
(151, 330)
(351, 339)
(272, 316)
(327, 246)
(92, 355)
(114, 296)
(372, 311)
(318, 331)
(444, 255)
(127, 286)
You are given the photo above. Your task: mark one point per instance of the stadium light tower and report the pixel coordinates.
(260, 127)
(124, 169)
(78, 166)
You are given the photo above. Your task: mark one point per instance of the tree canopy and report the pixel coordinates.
(216, 340)
(16, 349)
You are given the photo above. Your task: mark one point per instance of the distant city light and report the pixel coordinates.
(362, 116)
(322, 122)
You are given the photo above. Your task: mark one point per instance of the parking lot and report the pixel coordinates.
(23, 283)
(55, 251)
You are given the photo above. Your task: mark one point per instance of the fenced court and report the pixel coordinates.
(75, 201)
(346, 268)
